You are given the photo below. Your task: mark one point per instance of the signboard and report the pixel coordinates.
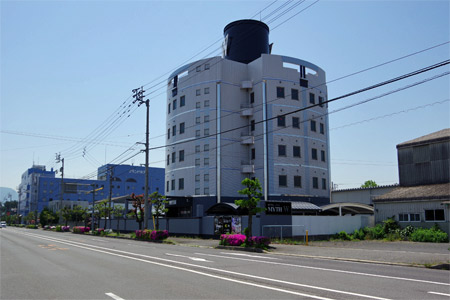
(227, 225)
(278, 208)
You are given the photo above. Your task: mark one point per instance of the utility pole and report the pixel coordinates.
(111, 174)
(58, 160)
(138, 94)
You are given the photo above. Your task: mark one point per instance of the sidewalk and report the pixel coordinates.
(380, 252)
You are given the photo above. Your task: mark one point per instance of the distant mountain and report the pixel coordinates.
(4, 191)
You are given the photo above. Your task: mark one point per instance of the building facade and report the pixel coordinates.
(423, 197)
(250, 114)
(40, 188)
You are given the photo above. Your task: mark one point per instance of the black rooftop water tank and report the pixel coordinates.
(246, 40)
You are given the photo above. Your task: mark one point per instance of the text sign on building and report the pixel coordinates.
(278, 208)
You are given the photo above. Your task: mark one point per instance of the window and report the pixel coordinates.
(324, 184)
(197, 120)
(197, 133)
(206, 191)
(174, 130)
(181, 155)
(167, 186)
(206, 66)
(206, 90)
(181, 183)
(197, 162)
(303, 83)
(282, 180)
(296, 151)
(252, 97)
(168, 133)
(206, 161)
(294, 94)
(281, 121)
(206, 103)
(197, 191)
(409, 217)
(315, 183)
(295, 122)
(173, 185)
(197, 105)
(168, 159)
(197, 148)
(174, 104)
(206, 177)
(312, 98)
(198, 68)
(253, 155)
(174, 157)
(314, 153)
(206, 119)
(182, 101)
(322, 155)
(281, 150)
(206, 147)
(168, 108)
(434, 215)
(198, 92)
(322, 128)
(206, 131)
(320, 101)
(181, 128)
(313, 125)
(197, 177)
(280, 92)
(252, 125)
(298, 181)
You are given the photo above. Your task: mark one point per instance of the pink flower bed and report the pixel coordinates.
(152, 235)
(239, 239)
(80, 229)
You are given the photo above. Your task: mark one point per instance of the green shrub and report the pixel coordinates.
(375, 233)
(58, 228)
(406, 232)
(342, 236)
(393, 236)
(390, 226)
(359, 234)
(429, 235)
(31, 226)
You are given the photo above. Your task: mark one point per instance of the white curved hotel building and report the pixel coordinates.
(247, 114)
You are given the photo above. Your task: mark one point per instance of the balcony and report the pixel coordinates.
(246, 110)
(247, 84)
(247, 168)
(247, 139)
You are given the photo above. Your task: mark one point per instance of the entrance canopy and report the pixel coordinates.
(346, 208)
(225, 209)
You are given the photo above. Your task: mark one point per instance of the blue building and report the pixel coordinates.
(40, 188)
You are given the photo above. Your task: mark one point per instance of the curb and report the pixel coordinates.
(233, 248)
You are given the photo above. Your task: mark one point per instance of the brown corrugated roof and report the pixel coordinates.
(441, 135)
(420, 192)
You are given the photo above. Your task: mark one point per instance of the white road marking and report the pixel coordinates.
(115, 297)
(191, 258)
(208, 268)
(248, 255)
(442, 294)
(330, 270)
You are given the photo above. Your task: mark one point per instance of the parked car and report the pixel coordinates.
(2, 224)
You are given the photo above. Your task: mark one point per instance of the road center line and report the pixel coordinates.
(85, 246)
(115, 297)
(325, 269)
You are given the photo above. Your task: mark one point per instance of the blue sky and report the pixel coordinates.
(67, 67)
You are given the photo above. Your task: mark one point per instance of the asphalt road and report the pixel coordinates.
(37, 264)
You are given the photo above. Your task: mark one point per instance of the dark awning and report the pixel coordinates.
(225, 209)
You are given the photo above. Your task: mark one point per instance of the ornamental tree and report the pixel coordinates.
(138, 208)
(159, 206)
(118, 213)
(253, 192)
